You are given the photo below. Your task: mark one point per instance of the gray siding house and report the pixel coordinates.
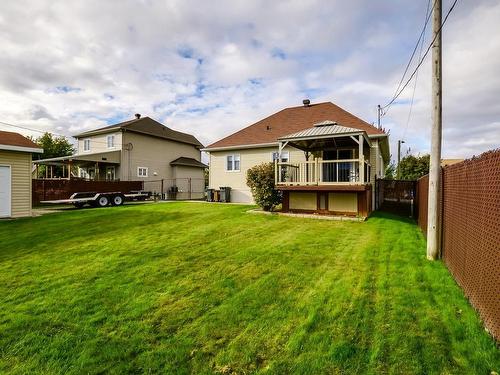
(141, 149)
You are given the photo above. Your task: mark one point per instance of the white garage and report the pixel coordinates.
(5, 199)
(15, 174)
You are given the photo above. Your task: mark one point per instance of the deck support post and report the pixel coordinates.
(361, 160)
(317, 170)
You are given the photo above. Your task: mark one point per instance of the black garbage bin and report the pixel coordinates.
(210, 195)
(172, 193)
(225, 194)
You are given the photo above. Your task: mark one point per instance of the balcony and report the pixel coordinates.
(323, 172)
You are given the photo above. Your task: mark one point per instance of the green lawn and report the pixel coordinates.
(198, 288)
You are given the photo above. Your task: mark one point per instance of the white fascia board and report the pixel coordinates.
(21, 148)
(240, 147)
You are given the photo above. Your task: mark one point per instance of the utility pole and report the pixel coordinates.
(434, 212)
(379, 110)
(398, 173)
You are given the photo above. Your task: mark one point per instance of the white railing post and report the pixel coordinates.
(276, 172)
(361, 166)
(317, 171)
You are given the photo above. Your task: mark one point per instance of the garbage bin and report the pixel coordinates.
(216, 196)
(210, 195)
(225, 194)
(172, 193)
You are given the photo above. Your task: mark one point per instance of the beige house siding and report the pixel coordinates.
(240, 192)
(20, 169)
(343, 202)
(303, 201)
(153, 153)
(99, 143)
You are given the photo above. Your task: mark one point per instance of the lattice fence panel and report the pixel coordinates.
(471, 232)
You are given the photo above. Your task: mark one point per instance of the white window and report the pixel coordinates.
(142, 172)
(111, 141)
(233, 163)
(86, 145)
(285, 156)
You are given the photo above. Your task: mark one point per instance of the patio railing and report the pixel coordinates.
(322, 172)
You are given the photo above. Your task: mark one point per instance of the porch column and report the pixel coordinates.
(361, 160)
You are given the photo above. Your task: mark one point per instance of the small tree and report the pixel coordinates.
(53, 147)
(414, 167)
(390, 171)
(260, 179)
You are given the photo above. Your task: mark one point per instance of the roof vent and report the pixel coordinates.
(325, 123)
(306, 102)
(137, 116)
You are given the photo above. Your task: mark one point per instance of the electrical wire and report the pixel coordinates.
(46, 131)
(427, 13)
(423, 57)
(420, 38)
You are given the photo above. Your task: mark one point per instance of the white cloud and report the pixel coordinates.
(210, 68)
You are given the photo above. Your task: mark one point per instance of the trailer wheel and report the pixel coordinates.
(103, 201)
(118, 200)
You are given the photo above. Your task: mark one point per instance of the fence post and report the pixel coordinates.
(161, 189)
(190, 187)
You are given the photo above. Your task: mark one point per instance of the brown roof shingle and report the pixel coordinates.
(291, 120)
(188, 162)
(16, 139)
(146, 125)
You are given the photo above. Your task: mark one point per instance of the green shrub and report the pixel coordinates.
(260, 179)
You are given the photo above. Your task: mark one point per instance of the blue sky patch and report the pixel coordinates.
(65, 89)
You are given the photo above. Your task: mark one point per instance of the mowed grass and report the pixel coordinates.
(198, 288)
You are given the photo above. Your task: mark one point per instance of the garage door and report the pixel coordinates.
(4, 191)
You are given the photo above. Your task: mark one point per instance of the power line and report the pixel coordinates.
(31, 129)
(46, 131)
(420, 38)
(423, 57)
(427, 14)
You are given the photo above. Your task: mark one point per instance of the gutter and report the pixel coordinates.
(240, 147)
(21, 148)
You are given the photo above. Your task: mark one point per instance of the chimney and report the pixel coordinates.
(306, 102)
(137, 116)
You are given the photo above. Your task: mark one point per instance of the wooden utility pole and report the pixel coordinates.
(398, 170)
(379, 112)
(434, 213)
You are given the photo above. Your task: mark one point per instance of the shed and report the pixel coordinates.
(189, 177)
(15, 174)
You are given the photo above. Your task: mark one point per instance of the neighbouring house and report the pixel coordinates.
(15, 174)
(141, 149)
(326, 159)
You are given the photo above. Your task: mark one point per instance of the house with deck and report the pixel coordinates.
(326, 159)
(140, 149)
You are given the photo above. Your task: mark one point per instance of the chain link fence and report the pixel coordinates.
(177, 188)
(471, 230)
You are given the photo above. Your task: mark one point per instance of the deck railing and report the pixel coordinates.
(322, 172)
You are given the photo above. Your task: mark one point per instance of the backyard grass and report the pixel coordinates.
(205, 288)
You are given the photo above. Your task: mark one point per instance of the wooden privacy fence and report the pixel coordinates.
(471, 230)
(44, 190)
(396, 196)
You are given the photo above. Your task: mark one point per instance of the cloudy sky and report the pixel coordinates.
(213, 67)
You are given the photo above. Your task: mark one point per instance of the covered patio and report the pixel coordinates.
(340, 156)
(334, 179)
(101, 166)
